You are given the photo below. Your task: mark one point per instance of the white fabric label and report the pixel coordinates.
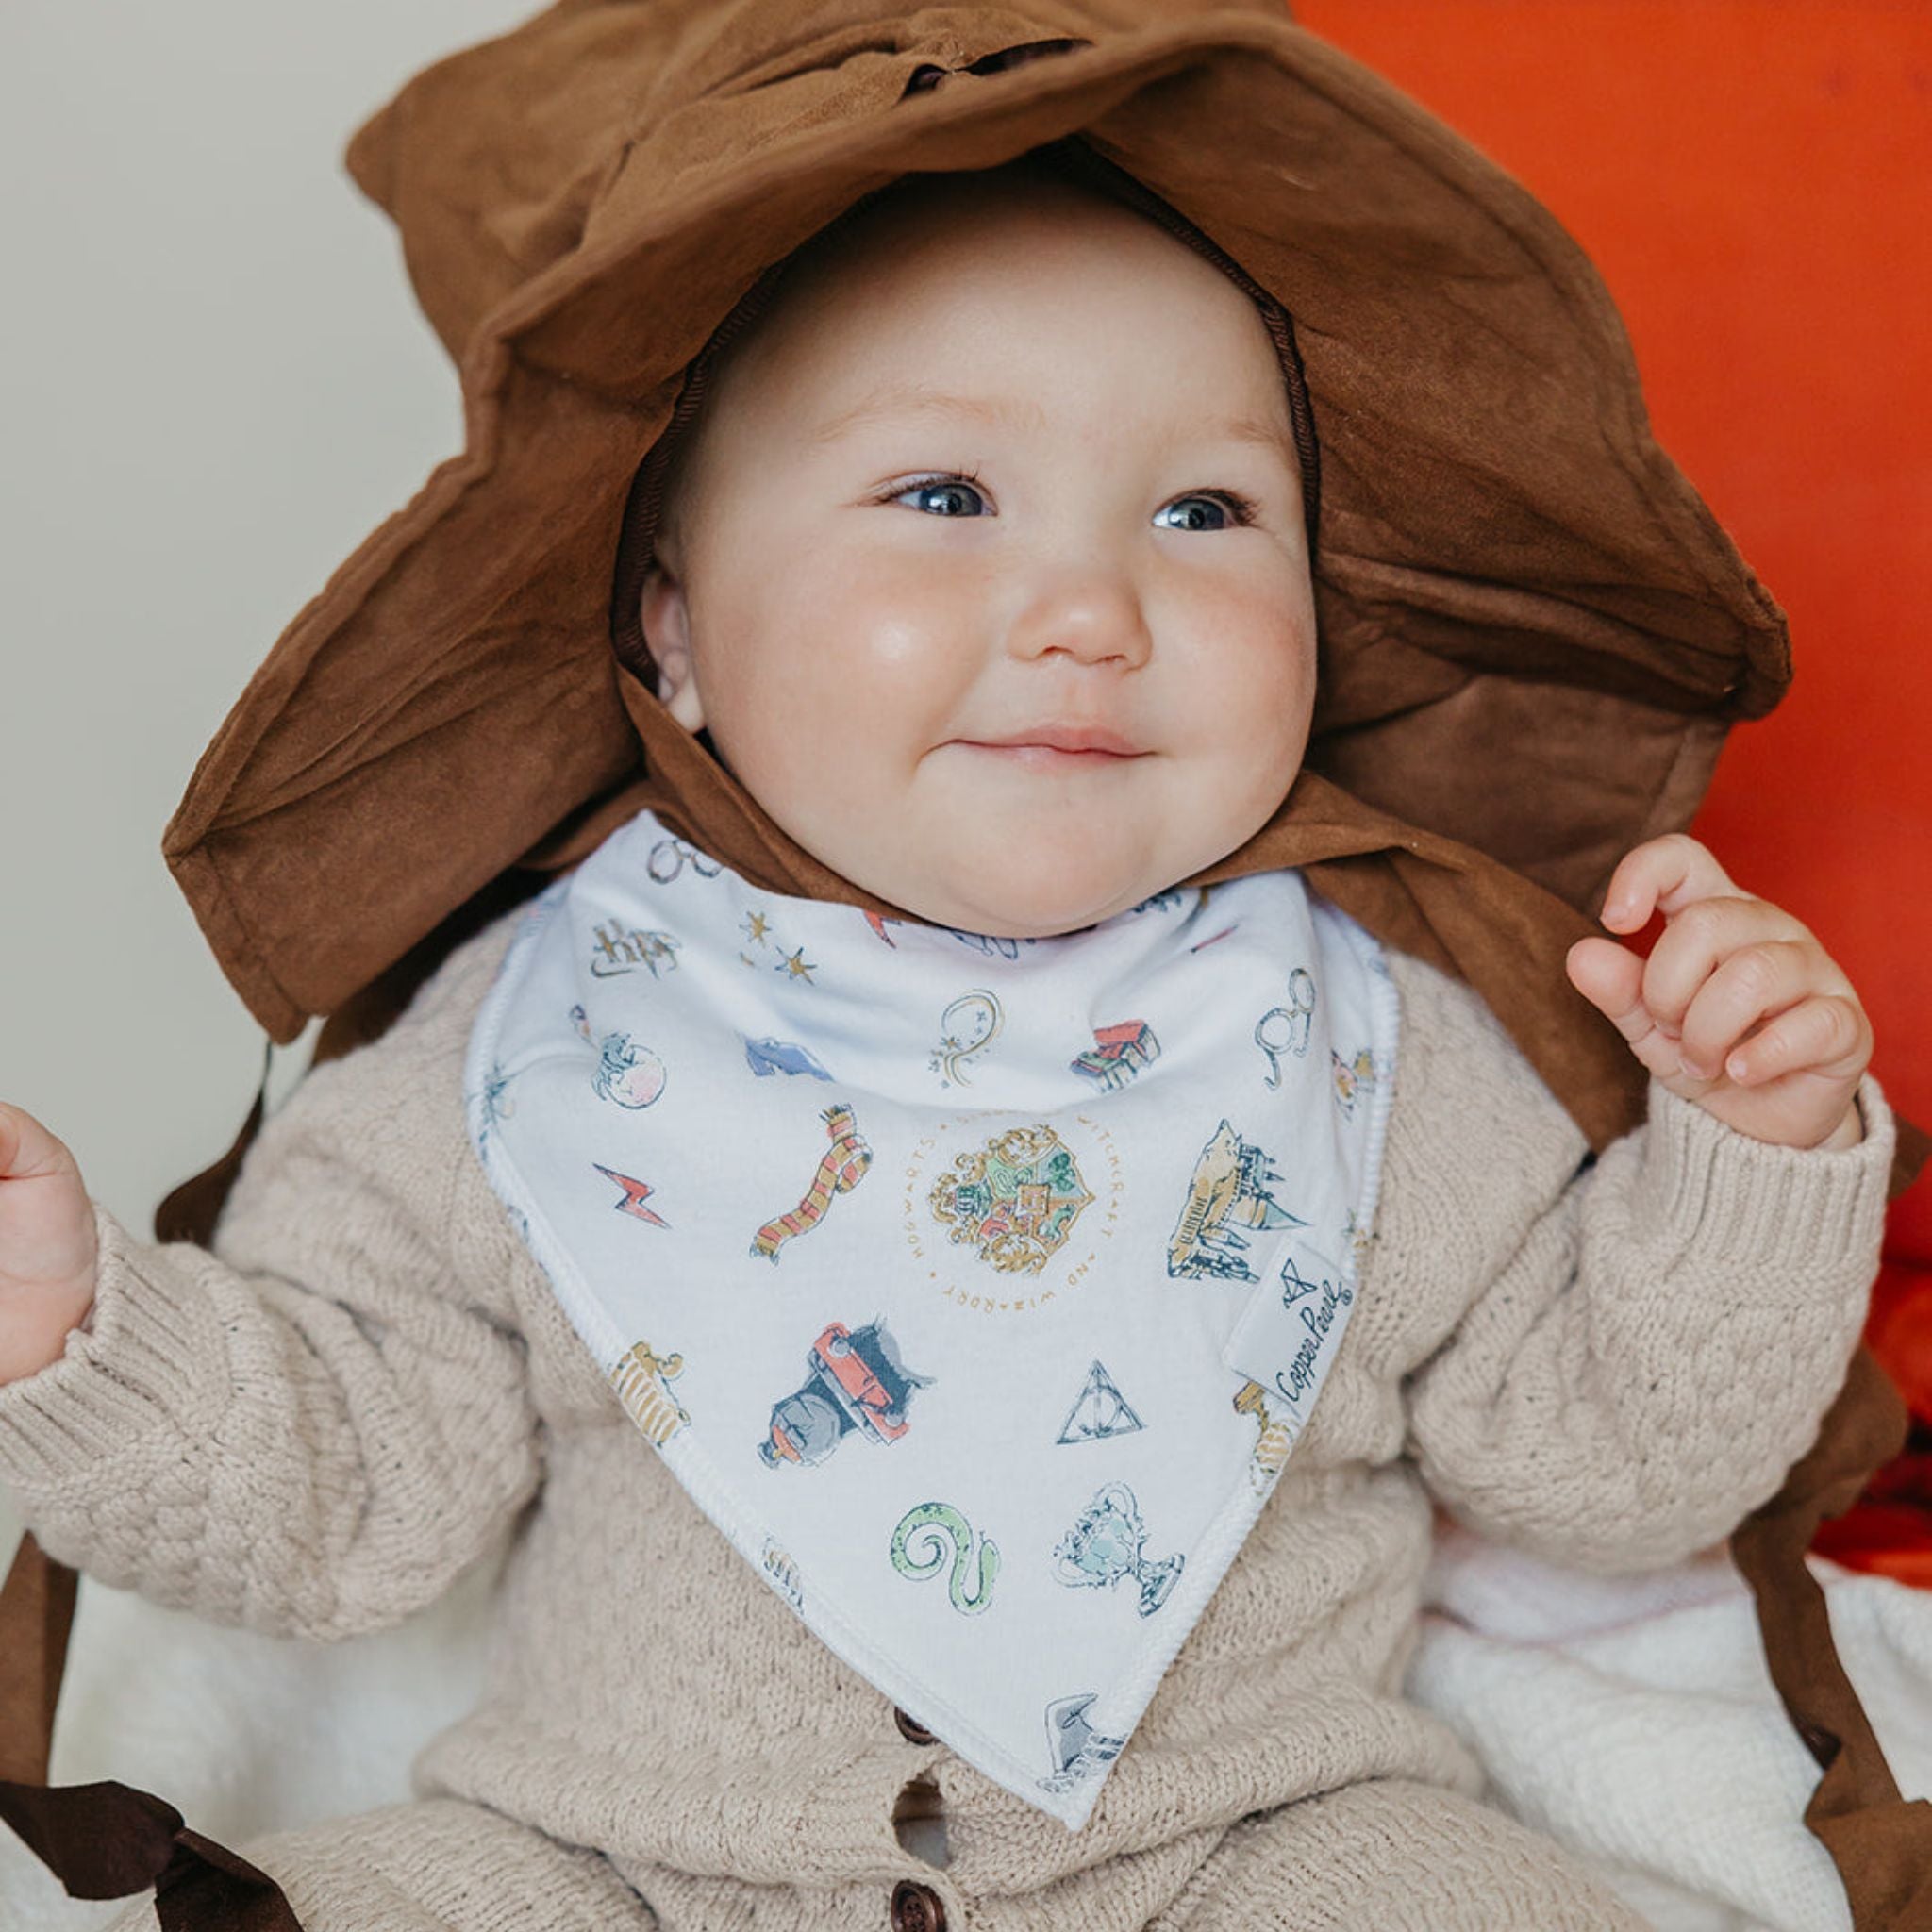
(976, 1287)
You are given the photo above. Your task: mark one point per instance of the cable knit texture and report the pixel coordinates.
(317, 1428)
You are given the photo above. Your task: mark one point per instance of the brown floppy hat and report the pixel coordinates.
(1533, 634)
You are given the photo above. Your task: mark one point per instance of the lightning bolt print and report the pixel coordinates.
(635, 1195)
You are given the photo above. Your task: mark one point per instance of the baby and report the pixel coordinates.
(1026, 730)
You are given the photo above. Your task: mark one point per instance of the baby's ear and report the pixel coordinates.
(665, 619)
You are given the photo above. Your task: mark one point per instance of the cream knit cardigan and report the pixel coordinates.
(316, 1427)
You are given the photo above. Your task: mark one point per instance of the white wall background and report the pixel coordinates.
(214, 382)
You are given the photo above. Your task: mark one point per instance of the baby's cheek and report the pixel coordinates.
(819, 760)
(1288, 711)
(1267, 696)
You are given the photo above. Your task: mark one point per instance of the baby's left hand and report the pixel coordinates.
(1738, 1008)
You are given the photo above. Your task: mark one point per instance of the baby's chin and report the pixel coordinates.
(1028, 872)
(1012, 896)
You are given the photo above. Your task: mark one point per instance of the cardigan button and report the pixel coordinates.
(911, 1729)
(917, 1909)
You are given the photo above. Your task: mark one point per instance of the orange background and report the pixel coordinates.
(1754, 180)
(1751, 178)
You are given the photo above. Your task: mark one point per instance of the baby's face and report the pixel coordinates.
(885, 653)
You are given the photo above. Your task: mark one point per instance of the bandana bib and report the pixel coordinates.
(976, 1288)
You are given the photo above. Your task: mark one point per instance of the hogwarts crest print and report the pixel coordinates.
(976, 1288)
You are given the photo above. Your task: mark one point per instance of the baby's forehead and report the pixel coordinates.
(1001, 249)
(1008, 301)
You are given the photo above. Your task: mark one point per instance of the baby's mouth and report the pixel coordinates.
(1058, 746)
(1049, 757)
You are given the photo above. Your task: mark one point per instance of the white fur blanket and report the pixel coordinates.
(1632, 1719)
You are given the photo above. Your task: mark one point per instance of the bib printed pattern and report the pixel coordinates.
(976, 1287)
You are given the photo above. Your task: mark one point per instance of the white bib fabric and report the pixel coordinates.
(976, 1287)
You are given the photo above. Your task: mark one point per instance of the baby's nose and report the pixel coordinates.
(1093, 620)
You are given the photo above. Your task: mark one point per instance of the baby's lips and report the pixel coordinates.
(1060, 735)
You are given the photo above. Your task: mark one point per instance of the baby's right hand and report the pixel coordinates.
(47, 1245)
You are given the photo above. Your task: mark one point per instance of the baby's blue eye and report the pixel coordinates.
(939, 487)
(1219, 504)
(1236, 512)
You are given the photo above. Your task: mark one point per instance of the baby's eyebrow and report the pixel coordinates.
(916, 399)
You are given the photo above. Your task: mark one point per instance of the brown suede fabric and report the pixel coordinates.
(36, 1620)
(1534, 635)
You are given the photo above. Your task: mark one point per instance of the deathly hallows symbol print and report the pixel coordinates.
(1100, 1410)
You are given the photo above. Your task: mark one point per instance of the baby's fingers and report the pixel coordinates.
(28, 1150)
(1610, 977)
(1699, 941)
(1748, 987)
(1662, 874)
(48, 1249)
(1828, 1035)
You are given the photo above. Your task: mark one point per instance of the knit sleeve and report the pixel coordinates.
(313, 1428)
(1659, 1332)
